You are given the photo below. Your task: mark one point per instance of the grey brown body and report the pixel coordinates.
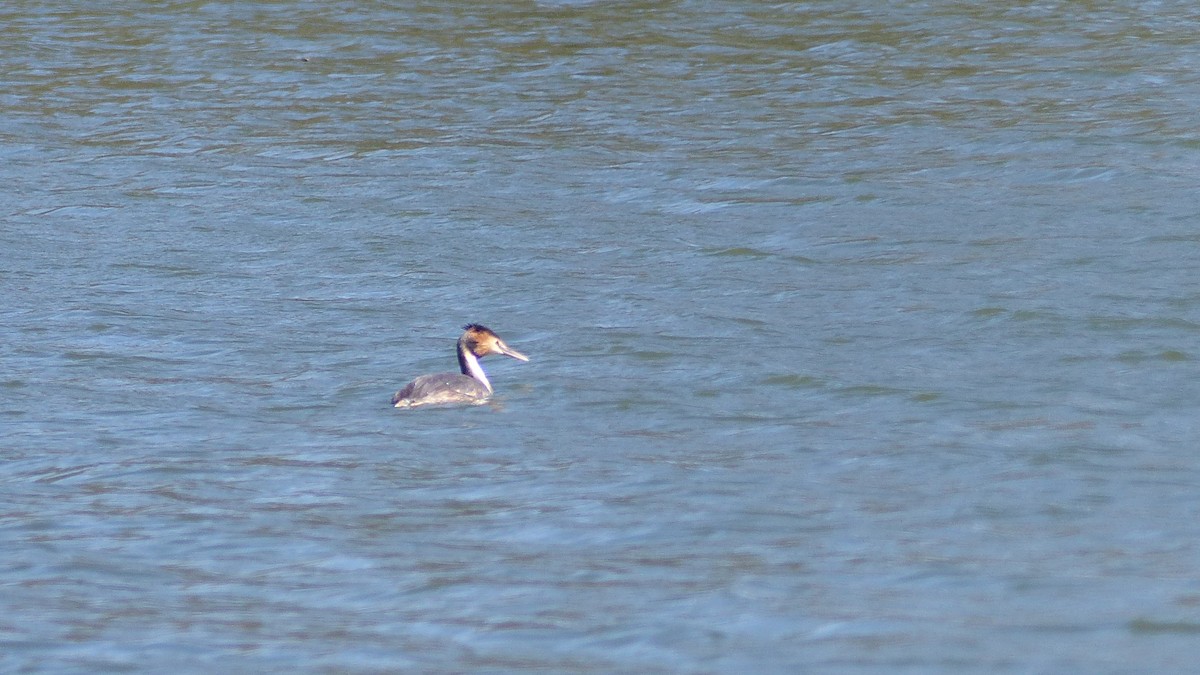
(441, 388)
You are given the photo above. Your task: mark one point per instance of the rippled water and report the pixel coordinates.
(863, 337)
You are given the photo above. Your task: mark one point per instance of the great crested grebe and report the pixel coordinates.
(469, 386)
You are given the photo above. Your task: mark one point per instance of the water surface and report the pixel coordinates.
(863, 338)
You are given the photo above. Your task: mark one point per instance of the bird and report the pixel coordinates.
(470, 385)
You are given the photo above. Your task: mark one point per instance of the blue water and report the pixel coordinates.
(862, 339)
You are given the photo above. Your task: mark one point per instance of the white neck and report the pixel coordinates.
(476, 371)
